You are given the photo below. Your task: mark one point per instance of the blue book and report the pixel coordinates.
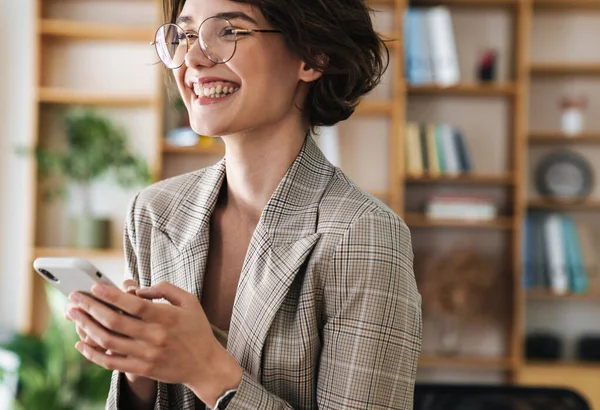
(418, 64)
(578, 277)
(464, 158)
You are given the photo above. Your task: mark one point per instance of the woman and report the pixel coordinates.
(283, 284)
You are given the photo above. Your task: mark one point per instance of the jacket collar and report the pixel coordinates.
(290, 214)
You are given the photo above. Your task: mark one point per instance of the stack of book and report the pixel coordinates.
(558, 254)
(461, 207)
(435, 150)
(430, 52)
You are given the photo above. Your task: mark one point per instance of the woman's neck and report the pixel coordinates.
(257, 160)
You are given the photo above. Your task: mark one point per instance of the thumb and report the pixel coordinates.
(130, 286)
(167, 291)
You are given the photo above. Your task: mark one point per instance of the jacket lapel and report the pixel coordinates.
(188, 230)
(280, 245)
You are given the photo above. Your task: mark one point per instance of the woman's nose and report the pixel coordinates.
(195, 57)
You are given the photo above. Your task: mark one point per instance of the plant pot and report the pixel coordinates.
(89, 233)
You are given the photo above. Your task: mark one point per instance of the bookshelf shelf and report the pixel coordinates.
(551, 69)
(463, 3)
(64, 96)
(570, 4)
(94, 31)
(582, 204)
(79, 253)
(464, 89)
(214, 149)
(557, 137)
(464, 179)
(563, 365)
(476, 363)
(417, 220)
(383, 108)
(547, 295)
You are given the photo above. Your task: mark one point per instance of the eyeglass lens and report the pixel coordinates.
(217, 41)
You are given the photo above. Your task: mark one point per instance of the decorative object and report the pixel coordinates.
(486, 69)
(53, 374)
(543, 346)
(565, 176)
(572, 122)
(588, 348)
(94, 146)
(457, 287)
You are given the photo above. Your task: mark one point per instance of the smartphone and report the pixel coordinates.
(73, 275)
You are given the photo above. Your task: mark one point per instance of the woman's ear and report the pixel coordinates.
(309, 74)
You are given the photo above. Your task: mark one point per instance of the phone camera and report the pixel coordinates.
(49, 275)
(99, 275)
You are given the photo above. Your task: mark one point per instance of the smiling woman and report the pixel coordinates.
(288, 286)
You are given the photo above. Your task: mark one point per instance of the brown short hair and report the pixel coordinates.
(334, 36)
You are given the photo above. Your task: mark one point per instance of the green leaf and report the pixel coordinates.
(95, 146)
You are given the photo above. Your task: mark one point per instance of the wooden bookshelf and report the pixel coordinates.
(563, 365)
(417, 220)
(76, 97)
(590, 204)
(567, 4)
(464, 3)
(557, 137)
(463, 179)
(369, 108)
(555, 69)
(85, 30)
(578, 375)
(464, 89)
(548, 295)
(469, 363)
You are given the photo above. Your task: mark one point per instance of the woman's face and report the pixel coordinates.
(262, 84)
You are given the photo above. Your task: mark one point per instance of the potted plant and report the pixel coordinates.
(95, 147)
(52, 373)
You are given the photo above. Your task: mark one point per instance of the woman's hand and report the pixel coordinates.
(142, 389)
(172, 343)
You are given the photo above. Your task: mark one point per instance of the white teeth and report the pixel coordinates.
(214, 92)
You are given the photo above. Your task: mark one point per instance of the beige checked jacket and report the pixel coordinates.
(327, 314)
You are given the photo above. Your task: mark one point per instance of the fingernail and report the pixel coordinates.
(75, 297)
(74, 314)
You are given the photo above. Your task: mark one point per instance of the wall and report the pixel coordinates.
(16, 91)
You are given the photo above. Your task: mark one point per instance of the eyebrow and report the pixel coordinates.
(230, 15)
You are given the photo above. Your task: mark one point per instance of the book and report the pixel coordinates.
(442, 47)
(464, 157)
(418, 63)
(555, 251)
(449, 148)
(432, 151)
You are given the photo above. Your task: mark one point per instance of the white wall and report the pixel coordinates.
(16, 105)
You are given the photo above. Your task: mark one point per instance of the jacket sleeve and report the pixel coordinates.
(372, 333)
(115, 400)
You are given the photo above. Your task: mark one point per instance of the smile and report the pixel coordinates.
(215, 90)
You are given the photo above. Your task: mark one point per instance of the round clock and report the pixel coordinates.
(564, 175)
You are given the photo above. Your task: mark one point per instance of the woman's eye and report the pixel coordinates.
(228, 32)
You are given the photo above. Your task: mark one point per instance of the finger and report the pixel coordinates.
(108, 340)
(110, 318)
(125, 364)
(164, 290)
(84, 337)
(130, 286)
(132, 304)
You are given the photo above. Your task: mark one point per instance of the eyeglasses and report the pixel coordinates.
(217, 38)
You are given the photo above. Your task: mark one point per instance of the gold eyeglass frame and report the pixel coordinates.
(235, 31)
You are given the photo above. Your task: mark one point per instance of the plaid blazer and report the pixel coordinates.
(327, 314)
